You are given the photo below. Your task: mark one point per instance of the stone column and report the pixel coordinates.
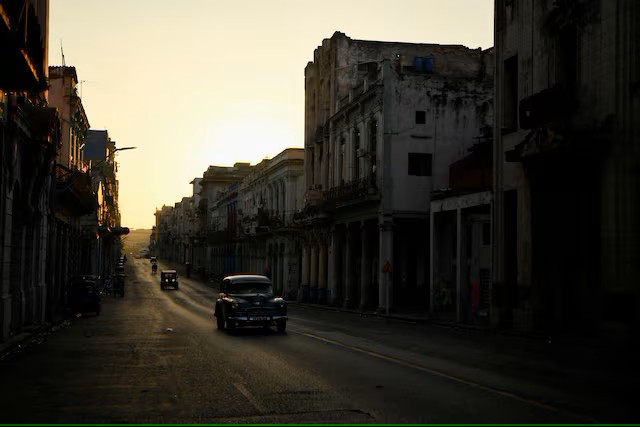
(304, 286)
(432, 261)
(459, 263)
(332, 266)
(322, 273)
(313, 280)
(365, 274)
(349, 269)
(385, 285)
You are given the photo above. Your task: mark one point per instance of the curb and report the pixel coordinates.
(28, 338)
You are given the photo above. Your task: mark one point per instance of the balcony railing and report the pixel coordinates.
(23, 57)
(74, 190)
(352, 190)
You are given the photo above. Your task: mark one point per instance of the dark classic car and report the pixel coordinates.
(168, 278)
(248, 300)
(83, 295)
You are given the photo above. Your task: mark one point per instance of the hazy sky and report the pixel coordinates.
(194, 83)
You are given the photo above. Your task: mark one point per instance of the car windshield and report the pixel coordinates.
(250, 288)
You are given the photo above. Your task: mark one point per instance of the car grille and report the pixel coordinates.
(260, 311)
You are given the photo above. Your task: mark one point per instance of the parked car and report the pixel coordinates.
(83, 295)
(248, 300)
(168, 278)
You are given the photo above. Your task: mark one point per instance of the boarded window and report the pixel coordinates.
(420, 164)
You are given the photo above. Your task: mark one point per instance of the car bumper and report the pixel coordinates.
(258, 319)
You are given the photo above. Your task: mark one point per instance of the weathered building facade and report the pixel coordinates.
(567, 235)
(29, 138)
(383, 122)
(73, 226)
(460, 231)
(268, 240)
(99, 152)
(240, 218)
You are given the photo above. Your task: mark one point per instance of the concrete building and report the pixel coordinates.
(460, 286)
(74, 222)
(99, 152)
(567, 235)
(383, 122)
(29, 138)
(196, 229)
(268, 240)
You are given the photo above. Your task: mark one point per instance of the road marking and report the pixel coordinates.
(448, 376)
(250, 397)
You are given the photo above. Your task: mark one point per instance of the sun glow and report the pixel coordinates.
(249, 137)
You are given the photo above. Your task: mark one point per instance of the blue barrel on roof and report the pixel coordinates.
(428, 63)
(418, 63)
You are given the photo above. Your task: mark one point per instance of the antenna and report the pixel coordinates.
(62, 51)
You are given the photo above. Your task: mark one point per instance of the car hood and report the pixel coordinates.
(258, 299)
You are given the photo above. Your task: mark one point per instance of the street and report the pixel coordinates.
(156, 356)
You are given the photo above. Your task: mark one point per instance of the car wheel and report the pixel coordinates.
(229, 324)
(282, 326)
(220, 322)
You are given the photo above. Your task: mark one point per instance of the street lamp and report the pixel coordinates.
(124, 148)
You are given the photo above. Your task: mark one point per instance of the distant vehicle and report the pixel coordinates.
(83, 295)
(248, 300)
(168, 278)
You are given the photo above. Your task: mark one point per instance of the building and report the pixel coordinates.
(73, 225)
(460, 231)
(567, 235)
(29, 138)
(99, 153)
(383, 122)
(268, 239)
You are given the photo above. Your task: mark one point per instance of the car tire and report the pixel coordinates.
(281, 326)
(229, 324)
(220, 322)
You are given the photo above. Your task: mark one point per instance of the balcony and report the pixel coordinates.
(352, 191)
(74, 193)
(21, 47)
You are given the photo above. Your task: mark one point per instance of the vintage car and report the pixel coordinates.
(168, 278)
(248, 300)
(83, 295)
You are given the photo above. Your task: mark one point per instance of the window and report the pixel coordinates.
(373, 144)
(356, 149)
(510, 95)
(420, 164)
(421, 117)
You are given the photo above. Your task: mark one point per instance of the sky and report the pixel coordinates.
(194, 83)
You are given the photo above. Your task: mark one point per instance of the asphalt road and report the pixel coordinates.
(156, 356)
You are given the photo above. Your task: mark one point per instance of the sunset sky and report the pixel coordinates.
(194, 83)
